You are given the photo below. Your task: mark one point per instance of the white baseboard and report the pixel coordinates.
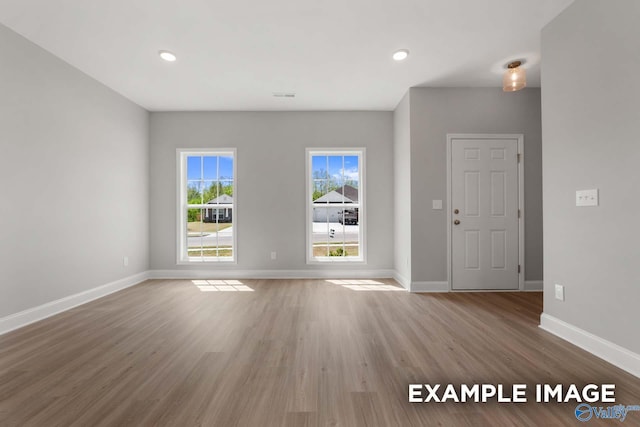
(31, 315)
(429, 287)
(533, 286)
(271, 274)
(529, 286)
(612, 353)
(403, 281)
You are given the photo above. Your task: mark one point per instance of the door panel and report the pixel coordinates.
(471, 193)
(472, 249)
(498, 249)
(498, 194)
(484, 186)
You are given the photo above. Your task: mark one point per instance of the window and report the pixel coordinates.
(206, 206)
(335, 205)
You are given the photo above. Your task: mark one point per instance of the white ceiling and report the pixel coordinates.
(334, 54)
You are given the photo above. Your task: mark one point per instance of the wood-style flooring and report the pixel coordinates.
(289, 353)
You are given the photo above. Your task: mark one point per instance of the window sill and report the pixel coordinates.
(207, 261)
(335, 260)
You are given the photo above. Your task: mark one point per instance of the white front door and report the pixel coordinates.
(484, 213)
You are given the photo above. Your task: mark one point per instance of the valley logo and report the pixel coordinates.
(584, 412)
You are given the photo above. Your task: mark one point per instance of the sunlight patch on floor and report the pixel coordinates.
(365, 285)
(221, 286)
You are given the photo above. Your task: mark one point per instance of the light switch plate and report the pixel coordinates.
(587, 197)
(559, 292)
(436, 204)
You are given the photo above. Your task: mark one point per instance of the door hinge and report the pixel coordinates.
(518, 268)
(519, 214)
(519, 157)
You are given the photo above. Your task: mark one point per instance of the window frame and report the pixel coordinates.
(182, 257)
(362, 214)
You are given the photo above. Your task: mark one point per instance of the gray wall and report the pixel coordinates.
(435, 112)
(74, 174)
(271, 181)
(402, 190)
(591, 118)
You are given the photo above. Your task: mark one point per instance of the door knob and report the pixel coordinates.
(456, 211)
(456, 222)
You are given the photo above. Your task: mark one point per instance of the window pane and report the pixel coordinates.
(319, 167)
(208, 215)
(335, 172)
(194, 168)
(194, 233)
(320, 250)
(210, 168)
(320, 234)
(211, 191)
(226, 168)
(194, 192)
(321, 231)
(226, 187)
(351, 175)
(320, 187)
(220, 252)
(351, 167)
(319, 217)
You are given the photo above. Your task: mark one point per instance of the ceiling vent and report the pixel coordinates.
(284, 94)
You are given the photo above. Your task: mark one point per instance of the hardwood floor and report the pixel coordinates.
(288, 353)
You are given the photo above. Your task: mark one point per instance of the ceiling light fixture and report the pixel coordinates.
(515, 78)
(400, 55)
(167, 56)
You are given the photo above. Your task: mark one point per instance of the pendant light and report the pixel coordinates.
(515, 78)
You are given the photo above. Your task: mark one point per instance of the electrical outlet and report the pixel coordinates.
(559, 292)
(274, 255)
(587, 197)
(125, 261)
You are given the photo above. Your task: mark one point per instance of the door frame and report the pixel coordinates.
(487, 136)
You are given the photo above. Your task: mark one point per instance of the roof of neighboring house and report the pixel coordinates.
(333, 197)
(222, 199)
(349, 192)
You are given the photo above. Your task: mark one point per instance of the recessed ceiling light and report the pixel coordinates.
(401, 55)
(167, 56)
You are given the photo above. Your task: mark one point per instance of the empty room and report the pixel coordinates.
(297, 213)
